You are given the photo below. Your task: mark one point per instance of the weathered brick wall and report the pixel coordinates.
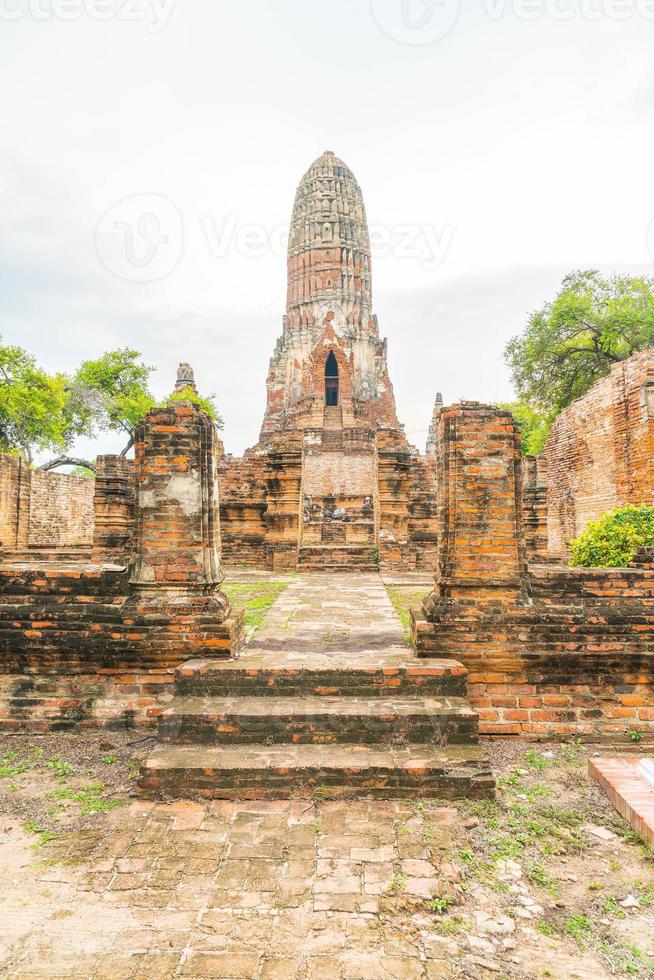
(551, 651)
(114, 504)
(534, 507)
(243, 508)
(600, 453)
(11, 503)
(85, 644)
(43, 511)
(61, 510)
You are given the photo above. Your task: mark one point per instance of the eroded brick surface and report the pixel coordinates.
(259, 890)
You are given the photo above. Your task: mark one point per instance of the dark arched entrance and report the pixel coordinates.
(331, 380)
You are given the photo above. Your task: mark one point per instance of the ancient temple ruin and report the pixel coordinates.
(333, 481)
(113, 612)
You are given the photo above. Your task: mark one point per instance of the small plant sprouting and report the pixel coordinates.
(579, 927)
(535, 760)
(62, 769)
(439, 906)
(634, 734)
(398, 884)
(110, 759)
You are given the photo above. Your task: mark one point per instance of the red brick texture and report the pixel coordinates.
(600, 453)
(44, 514)
(113, 505)
(550, 652)
(85, 644)
(625, 781)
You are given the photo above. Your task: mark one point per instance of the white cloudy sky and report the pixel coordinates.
(523, 144)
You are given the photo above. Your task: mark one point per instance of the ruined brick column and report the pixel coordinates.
(482, 571)
(176, 573)
(113, 507)
(534, 479)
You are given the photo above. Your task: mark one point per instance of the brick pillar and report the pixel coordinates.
(113, 506)
(534, 483)
(482, 570)
(176, 574)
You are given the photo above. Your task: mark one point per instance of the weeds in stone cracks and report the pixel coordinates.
(321, 794)
(626, 957)
(439, 905)
(397, 885)
(90, 797)
(255, 598)
(45, 836)
(338, 636)
(403, 600)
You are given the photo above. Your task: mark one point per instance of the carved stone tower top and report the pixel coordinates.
(328, 246)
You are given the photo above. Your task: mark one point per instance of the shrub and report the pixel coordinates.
(613, 539)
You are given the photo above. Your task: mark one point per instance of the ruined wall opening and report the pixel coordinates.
(331, 380)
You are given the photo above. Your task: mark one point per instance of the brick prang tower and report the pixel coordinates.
(333, 481)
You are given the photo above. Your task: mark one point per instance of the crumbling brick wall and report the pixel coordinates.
(534, 507)
(61, 511)
(43, 511)
(82, 644)
(551, 651)
(600, 452)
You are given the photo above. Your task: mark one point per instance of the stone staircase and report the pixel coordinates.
(337, 557)
(320, 714)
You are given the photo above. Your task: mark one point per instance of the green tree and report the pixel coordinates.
(534, 426)
(206, 403)
(110, 394)
(593, 323)
(32, 405)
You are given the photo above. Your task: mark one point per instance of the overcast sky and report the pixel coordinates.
(151, 150)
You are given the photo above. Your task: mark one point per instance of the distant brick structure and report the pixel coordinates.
(600, 452)
(551, 651)
(534, 509)
(43, 514)
(113, 506)
(333, 481)
(85, 644)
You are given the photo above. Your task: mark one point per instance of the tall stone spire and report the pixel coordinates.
(328, 246)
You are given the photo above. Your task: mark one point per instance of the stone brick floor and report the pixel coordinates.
(269, 890)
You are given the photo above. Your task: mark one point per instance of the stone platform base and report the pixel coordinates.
(326, 702)
(319, 771)
(628, 781)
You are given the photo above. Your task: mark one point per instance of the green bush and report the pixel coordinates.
(613, 539)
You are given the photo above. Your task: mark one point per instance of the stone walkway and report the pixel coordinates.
(301, 888)
(328, 698)
(268, 890)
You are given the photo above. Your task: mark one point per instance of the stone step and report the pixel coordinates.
(318, 771)
(337, 557)
(276, 720)
(323, 676)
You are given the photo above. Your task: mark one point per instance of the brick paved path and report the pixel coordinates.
(300, 888)
(278, 889)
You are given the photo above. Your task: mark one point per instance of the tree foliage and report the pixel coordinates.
(111, 394)
(41, 412)
(32, 405)
(593, 323)
(205, 403)
(534, 426)
(613, 539)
